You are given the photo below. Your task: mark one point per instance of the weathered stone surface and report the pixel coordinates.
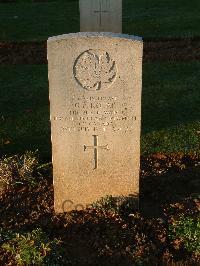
(95, 96)
(100, 15)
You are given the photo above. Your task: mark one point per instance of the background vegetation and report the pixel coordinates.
(158, 19)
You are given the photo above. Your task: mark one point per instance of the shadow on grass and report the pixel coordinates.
(170, 188)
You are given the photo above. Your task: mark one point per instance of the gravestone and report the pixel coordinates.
(100, 15)
(95, 101)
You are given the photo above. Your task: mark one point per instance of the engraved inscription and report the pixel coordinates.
(94, 114)
(95, 70)
(96, 147)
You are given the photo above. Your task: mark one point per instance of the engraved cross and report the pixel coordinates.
(100, 12)
(96, 147)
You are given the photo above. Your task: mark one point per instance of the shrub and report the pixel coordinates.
(119, 205)
(29, 248)
(16, 170)
(107, 203)
(187, 230)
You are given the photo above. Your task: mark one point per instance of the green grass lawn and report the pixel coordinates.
(170, 108)
(26, 21)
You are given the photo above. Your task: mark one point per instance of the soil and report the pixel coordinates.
(23, 53)
(169, 186)
(12, 53)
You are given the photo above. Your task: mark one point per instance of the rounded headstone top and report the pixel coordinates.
(95, 35)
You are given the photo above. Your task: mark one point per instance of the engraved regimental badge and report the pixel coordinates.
(95, 70)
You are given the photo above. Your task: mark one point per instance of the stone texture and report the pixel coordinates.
(100, 15)
(95, 97)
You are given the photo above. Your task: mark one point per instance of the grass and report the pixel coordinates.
(32, 248)
(20, 170)
(24, 115)
(37, 21)
(162, 18)
(170, 109)
(187, 230)
(28, 21)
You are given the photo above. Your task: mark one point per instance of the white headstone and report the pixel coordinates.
(100, 15)
(95, 97)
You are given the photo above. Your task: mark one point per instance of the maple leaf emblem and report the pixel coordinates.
(95, 70)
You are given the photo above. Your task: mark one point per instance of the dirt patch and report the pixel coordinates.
(36, 52)
(23, 53)
(169, 184)
(182, 50)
